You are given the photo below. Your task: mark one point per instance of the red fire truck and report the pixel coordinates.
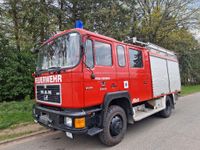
(92, 84)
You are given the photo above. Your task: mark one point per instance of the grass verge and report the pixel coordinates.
(15, 135)
(13, 113)
(20, 130)
(189, 89)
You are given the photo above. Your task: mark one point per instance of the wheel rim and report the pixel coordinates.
(116, 125)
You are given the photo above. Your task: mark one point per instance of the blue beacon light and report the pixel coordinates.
(79, 24)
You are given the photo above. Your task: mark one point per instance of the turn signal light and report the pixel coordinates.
(79, 122)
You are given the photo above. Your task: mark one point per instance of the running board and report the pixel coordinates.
(141, 112)
(93, 131)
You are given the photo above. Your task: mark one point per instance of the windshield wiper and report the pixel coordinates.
(57, 69)
(39, 71)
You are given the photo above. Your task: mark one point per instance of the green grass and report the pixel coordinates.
(13, 113)
(190, 89)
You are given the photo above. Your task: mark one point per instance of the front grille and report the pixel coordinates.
(48, 93)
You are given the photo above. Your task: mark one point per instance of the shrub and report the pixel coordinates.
(16, 68)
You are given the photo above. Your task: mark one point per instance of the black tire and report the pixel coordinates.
(168, 110)
(114, 126)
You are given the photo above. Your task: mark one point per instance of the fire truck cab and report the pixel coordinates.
(92, 84)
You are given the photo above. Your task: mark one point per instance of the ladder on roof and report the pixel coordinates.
(151, 46)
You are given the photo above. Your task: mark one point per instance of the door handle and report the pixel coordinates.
(145, 82)
(113, 85)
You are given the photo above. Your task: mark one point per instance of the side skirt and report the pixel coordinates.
(145, 110)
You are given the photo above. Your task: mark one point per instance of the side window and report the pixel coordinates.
(121, 56)
(135, 58)
(89, 54)
(103, 54)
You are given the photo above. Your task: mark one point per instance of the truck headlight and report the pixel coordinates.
(68, 121)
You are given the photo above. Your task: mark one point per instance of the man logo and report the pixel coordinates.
(46, 97)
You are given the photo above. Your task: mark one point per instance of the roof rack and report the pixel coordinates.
(151, 46)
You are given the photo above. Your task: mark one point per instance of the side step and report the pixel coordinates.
(93, 131)
(141, 112)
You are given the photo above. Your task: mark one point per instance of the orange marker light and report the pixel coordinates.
(79, 122)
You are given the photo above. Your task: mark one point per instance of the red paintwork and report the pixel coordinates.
(79, 90)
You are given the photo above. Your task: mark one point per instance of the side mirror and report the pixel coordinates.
(83, 46)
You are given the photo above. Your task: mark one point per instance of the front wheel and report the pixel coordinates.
(168, 110)
(114, 126)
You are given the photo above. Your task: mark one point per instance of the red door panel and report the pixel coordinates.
(105, 78)
(139, 77)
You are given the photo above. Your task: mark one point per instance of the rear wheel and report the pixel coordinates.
(168, 110)
(114, 126)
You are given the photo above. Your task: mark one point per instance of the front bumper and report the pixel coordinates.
(56, 118)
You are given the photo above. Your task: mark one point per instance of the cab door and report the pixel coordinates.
(99, 57)
(139, 75)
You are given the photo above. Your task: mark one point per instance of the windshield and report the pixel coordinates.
(63, 52)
